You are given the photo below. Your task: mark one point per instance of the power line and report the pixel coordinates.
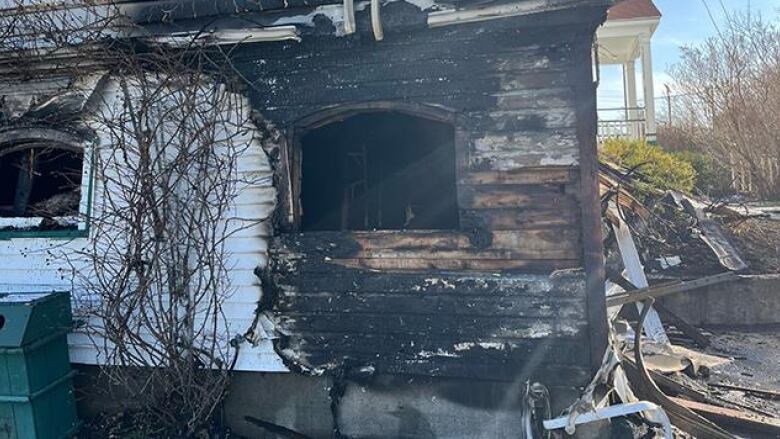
(712, 19)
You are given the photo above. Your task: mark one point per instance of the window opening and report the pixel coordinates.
(379, 170)
(40, 179)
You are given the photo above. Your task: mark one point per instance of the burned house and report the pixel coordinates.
(431, 237)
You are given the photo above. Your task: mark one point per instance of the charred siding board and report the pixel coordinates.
(453, 324)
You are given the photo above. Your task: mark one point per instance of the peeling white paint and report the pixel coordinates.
(435, 281)
(438, 353)
(465, 346)
(563, 159)
(518, 150)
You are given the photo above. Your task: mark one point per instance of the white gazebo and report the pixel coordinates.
(623, 38)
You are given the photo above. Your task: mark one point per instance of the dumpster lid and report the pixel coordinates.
(22, 297)
(27, 317)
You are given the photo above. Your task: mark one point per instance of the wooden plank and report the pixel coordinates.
(401, 46)
(487, 265)
(514, 219)
(535, 120)
(350, 244)
(486, 367)
(307, 93)
(525, 142)
(430, 325)
(666, 289)
(430, 283)
(493, 365)
(734, 418)
(515, 196)
(347, 77)
(544, 175)
(674, 388)
(535, 99)
(417, 62)
(646, 388)
(561, 351)
(529, 253)
(441, 305)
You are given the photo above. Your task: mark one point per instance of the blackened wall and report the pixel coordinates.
(484, 302)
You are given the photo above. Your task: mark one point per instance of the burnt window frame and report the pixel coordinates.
(83, 143)
(289, 171)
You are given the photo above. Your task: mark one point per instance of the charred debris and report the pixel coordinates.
(662, 244)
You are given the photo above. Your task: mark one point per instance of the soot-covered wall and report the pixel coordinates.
(502, 296)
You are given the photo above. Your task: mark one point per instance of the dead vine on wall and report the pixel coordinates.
(169, 132)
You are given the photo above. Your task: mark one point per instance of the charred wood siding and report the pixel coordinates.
(476, 302)
(455, 324)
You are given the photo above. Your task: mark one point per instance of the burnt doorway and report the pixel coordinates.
(379, 171)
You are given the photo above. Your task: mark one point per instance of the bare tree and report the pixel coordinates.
(169, 130)
(730, 90)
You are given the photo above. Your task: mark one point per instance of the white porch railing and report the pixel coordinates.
(622, 123)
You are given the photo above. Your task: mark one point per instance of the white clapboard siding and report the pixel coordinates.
(42, 264)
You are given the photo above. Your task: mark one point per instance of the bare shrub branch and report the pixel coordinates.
(730, 88)
(170, 131)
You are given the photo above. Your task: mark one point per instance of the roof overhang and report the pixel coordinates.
(618, 40)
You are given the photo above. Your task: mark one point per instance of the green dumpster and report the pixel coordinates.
(36, 387)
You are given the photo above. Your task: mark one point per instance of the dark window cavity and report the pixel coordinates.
(40, 179)
(379, 170)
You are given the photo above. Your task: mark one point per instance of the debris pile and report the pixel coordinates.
(669, 243)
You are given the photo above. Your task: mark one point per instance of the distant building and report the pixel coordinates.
(624, 37)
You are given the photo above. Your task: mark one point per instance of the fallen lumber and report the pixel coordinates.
(673, 388)
(681, 416)
(742, 420)
(665, 383)
(768, 394)
(667, 289)
(686, 328)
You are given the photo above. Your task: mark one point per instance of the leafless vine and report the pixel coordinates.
(169, 131)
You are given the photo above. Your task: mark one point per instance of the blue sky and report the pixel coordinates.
(683, 22)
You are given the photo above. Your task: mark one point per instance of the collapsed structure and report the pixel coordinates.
(431, 237)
